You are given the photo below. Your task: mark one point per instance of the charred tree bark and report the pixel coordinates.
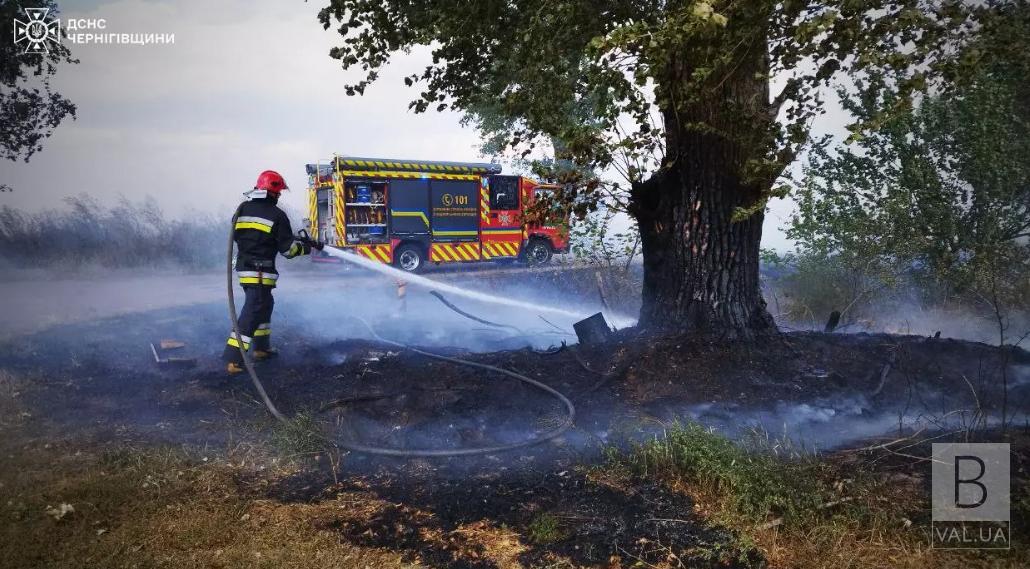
(701, 266)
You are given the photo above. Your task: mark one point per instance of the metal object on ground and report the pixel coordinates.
(593, 330)
(170, 360)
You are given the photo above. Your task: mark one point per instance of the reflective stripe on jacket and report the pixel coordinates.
(262, 231)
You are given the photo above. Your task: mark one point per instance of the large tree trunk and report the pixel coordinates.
(701, 266)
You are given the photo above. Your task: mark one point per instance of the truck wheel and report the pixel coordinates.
(538, 252)
(409, 258)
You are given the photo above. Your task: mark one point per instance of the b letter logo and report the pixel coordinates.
(970, 495)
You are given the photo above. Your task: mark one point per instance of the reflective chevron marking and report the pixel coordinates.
(500, 249)
(484, 199)
(454, 252)
(313, 213)
(412, 175)
(380, 253)
(422, 166)
(338, 202)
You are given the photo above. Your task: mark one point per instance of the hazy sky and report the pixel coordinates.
(247, 86)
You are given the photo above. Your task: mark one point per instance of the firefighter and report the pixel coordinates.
(262, 231)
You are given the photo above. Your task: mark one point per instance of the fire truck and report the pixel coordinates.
(414, 212)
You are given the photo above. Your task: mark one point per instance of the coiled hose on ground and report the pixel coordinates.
(381, 451)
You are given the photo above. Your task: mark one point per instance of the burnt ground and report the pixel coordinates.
(436, 521)
(95, 384)
(100, 379)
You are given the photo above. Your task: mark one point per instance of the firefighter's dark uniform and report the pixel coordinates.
(262, 232)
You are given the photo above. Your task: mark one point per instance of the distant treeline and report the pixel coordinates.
(127, 234)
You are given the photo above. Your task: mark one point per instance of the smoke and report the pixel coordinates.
(911, 318)
(534, 312)
(905, 309)
(87, 236)
(828, 423)
(315, 303)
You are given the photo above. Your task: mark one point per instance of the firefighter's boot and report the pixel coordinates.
(266, 354)
(234, 368)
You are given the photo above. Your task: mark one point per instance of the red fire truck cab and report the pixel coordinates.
(413, 212)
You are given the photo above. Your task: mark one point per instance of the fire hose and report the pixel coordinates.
(519, 332)
(472, 317)
(395, 452)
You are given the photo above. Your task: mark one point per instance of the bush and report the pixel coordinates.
(988, 300)
(807, 286)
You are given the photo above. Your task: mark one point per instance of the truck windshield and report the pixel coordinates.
(504, 192)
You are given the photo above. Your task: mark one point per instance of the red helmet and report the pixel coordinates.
(271, 182)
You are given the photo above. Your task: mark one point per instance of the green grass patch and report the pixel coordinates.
(752, 481)
(299, 435)
(546, 528)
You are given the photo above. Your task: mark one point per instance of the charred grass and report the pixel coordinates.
(72, 499)
(162, 507)
(159, 507)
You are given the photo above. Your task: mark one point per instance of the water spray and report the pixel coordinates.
(444, 287)
(381, 451)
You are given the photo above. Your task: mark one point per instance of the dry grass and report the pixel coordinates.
(156, 508)
(500, 545)
(70, 503)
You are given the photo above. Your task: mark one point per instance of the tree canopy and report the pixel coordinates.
(938, 194)
(537, 62)
(30, 109)
(699, 105)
